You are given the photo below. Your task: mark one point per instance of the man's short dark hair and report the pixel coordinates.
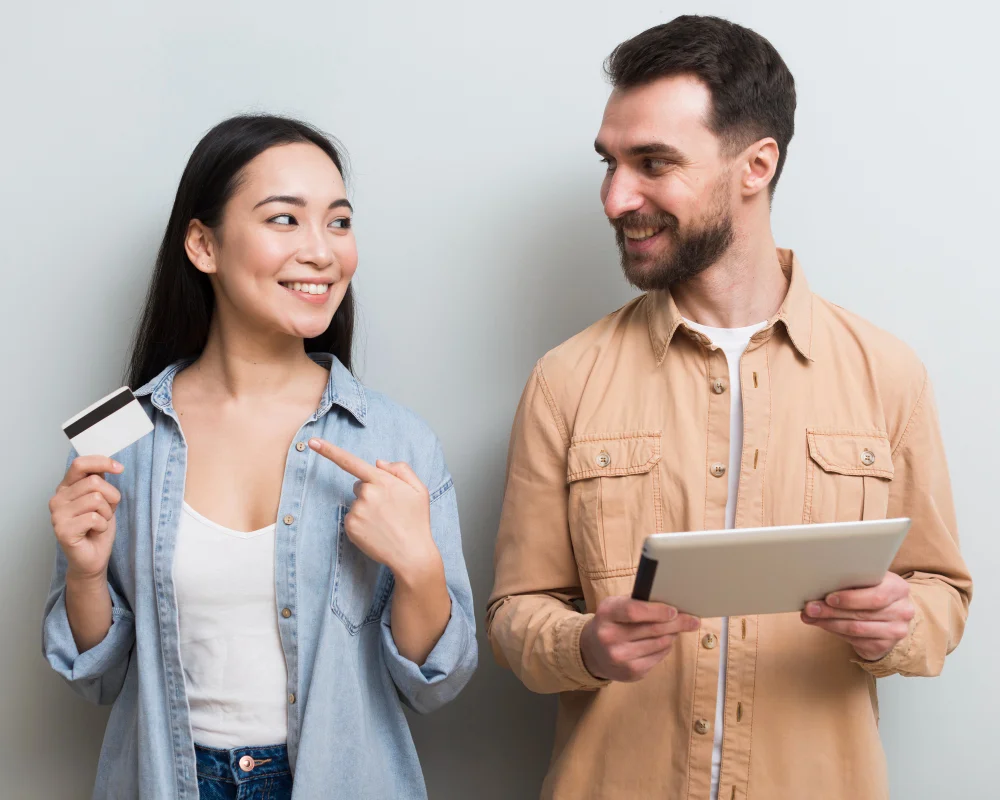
(753, 92)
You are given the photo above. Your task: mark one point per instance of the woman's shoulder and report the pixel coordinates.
(387, 429)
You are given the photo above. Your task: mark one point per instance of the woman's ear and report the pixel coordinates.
(201, 246)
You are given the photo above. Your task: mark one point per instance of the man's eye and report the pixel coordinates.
(283, 219)
(607, 162)
(654, 164)
(342, 222)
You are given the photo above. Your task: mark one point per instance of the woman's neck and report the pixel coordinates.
(238, 366)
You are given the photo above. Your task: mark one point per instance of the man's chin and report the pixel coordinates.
(642, 272)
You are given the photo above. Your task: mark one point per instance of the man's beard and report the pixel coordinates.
(691, 252)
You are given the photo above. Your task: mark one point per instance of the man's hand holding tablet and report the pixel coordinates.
(873, 620)
(627, 638)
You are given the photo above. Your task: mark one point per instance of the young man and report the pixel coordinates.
(730, 396)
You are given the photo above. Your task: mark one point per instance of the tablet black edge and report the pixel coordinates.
(644, 578)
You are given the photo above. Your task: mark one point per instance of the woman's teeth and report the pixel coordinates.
(308, 288)
(638, 234)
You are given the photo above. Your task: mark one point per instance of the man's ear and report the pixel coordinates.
(760, 161)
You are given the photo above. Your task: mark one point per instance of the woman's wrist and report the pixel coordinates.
(423, 569)
(86, 583)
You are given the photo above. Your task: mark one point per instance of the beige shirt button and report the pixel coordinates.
(709, 641)
(701, 726)
(300, 446)
(867, 457)
(291, 698)
(718, 386)
(603, 459)
(718, 469)
(288, 519)
(286, 612)
(247, 763)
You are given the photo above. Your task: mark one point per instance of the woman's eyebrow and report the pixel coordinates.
(292, 200)
(282, 198)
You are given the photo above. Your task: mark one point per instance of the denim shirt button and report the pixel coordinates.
(300, 446)
(288, 519)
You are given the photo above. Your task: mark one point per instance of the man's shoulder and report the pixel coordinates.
(572, 359)
(841, 335)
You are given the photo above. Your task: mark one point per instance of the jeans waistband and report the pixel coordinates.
(242, 764)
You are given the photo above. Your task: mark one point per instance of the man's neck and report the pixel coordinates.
(744, 287)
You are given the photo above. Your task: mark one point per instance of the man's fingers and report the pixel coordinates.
(862, 629)
(348, 462)
(634, 651)
(900, 610)
(82, 466)
(625, 609)
(403, 471)
(891, 589)
(654, 630)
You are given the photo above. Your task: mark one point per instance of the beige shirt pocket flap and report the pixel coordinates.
(605, 456)
(865, 454)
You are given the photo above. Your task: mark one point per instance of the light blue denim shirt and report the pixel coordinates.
(347, 734)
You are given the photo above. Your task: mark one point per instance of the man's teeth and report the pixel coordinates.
(309, 288)
(639, 234)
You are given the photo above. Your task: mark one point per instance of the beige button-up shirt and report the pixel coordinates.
(618, 435)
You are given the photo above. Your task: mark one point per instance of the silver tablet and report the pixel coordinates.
(764, 570)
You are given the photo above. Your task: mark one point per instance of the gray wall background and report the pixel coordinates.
(482, 245)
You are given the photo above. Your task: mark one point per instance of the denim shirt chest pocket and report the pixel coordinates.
(361, 586)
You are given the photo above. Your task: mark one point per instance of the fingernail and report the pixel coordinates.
(671, 613)
(814, 609)
(314, 443)
(116, 466)
(694, 624)
(833, 600)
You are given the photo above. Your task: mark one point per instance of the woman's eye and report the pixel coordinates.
(283, 219)
(342, 222)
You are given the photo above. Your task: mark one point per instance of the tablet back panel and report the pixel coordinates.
(765, 570)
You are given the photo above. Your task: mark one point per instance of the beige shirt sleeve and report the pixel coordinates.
(929, 559)
(532, 624)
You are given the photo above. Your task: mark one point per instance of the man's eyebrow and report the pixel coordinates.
(298, 201)
(659, 149)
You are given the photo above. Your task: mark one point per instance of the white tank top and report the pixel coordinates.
(234, 667)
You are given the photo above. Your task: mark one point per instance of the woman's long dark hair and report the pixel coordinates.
(180, 301)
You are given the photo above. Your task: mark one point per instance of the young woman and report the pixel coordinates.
(259, 583)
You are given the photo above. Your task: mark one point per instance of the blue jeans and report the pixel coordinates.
(244, 773)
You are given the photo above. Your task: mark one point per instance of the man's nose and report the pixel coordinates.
(621, 196)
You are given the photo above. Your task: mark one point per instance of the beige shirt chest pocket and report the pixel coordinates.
(847, 476)
(613, 500)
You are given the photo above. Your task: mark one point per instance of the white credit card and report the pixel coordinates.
(109, 425)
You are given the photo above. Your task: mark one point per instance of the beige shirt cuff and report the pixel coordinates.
(570, 658)
(896, 658)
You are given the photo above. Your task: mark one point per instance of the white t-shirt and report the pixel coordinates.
(733, 342)
(234, 667)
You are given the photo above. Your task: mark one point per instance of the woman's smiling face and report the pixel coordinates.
(284, 254)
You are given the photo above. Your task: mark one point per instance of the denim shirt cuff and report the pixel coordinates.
(447, 668)
(60, 647)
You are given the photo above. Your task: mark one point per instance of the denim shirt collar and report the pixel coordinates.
(342, 389)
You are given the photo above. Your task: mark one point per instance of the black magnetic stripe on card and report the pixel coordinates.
(103, 411)
(644, 578)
